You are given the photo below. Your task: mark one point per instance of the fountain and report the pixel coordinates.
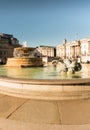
(42, 83)
(24, 57)
(45, 83)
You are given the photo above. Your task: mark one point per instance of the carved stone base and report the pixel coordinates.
(25, 62)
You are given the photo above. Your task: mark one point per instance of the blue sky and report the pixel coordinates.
(45, 22)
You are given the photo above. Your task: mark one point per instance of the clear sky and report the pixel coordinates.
(45, 22)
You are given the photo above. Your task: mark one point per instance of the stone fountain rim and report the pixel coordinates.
(74, 81)
(45, 89)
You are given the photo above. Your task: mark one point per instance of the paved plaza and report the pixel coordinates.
(26, 114)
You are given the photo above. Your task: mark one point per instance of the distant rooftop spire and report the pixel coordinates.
(64, 41)
(25, 44)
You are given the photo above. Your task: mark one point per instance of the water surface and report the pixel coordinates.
(49, 72)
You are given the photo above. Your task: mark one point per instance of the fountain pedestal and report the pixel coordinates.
(24, 62)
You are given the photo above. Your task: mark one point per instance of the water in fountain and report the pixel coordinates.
(49, 72)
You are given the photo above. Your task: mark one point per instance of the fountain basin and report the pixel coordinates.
(44, 89)
(24, 62)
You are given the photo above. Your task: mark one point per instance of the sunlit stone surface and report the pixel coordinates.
(23, 57)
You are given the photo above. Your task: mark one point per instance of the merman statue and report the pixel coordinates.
(68, 66)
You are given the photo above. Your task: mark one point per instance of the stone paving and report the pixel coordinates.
(24, 114)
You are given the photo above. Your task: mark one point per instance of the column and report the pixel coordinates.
(72, 51)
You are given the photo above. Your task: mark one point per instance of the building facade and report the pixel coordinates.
(7, 45)
(75, 49)
(85, 50)
(46, 51)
